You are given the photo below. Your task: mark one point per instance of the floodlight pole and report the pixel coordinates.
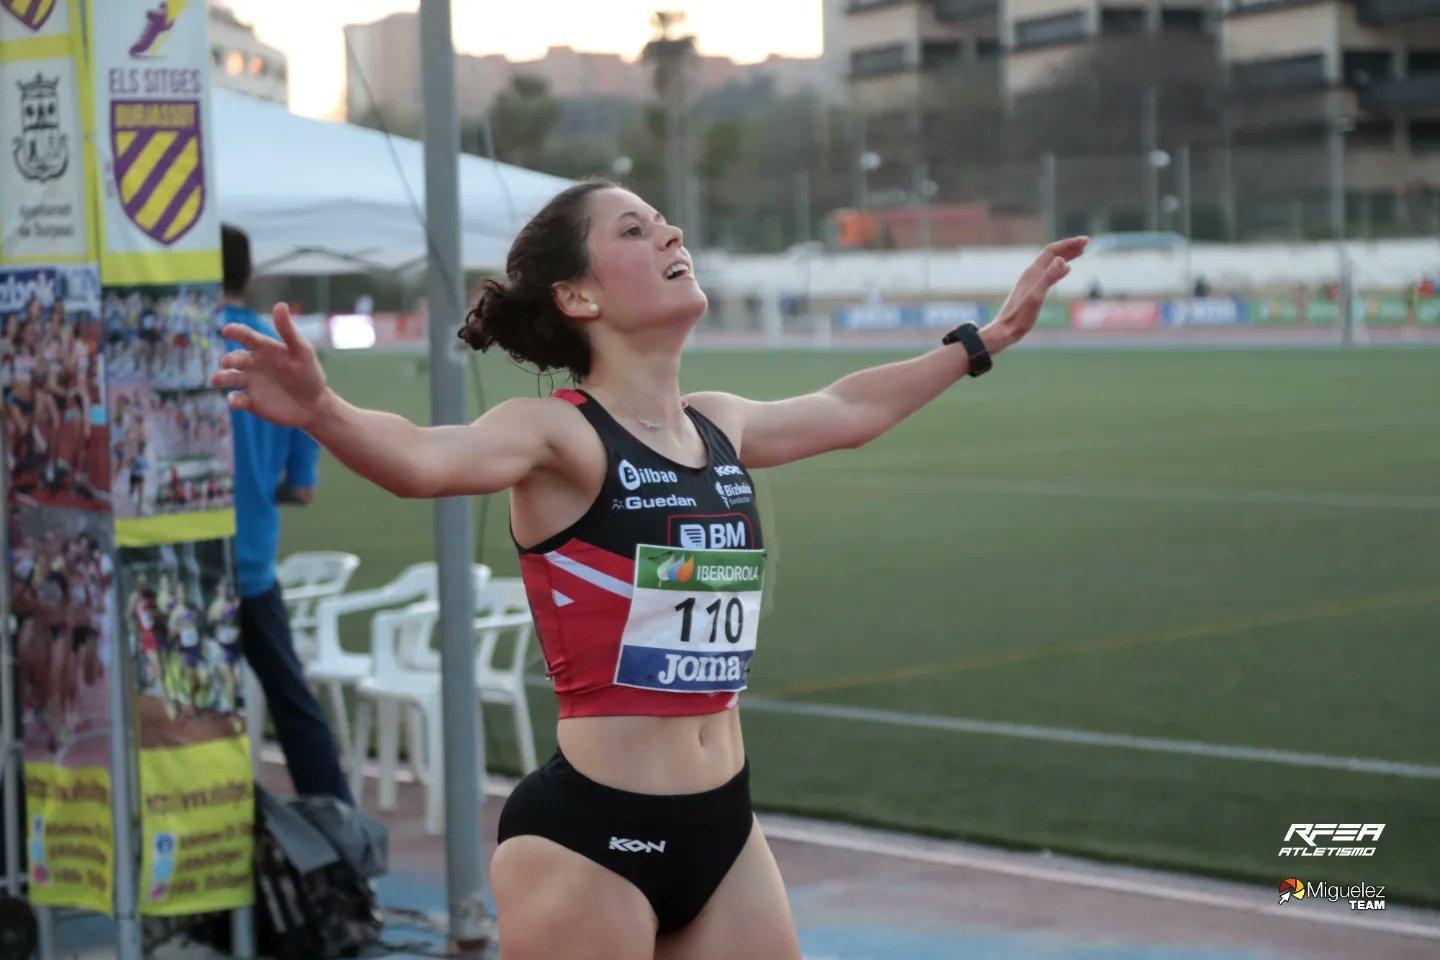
(454, 538)
(1152, 144)
(1049, 196)
(1344, 294)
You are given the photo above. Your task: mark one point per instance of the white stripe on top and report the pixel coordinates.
(589, 574)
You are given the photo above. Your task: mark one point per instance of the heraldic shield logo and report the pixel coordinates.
(159, 168)
(42, 152)
(32, 13)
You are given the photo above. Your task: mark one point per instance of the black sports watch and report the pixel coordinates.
(969, 334)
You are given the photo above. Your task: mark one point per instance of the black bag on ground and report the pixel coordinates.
(310, 901)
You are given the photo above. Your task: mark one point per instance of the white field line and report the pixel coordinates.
(1026, 731)
(852, 839)
(1229, 430)
(1123, 491)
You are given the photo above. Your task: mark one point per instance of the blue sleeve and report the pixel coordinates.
(300, 464)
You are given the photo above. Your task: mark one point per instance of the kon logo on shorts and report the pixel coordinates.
(637, 846)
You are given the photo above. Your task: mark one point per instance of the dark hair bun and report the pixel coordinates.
(528, 325)
(520, 314)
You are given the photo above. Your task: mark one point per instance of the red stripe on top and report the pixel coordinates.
(573, 396)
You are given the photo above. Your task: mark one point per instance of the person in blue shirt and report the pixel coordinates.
(273, 465)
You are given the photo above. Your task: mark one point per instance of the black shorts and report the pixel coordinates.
(675, 848)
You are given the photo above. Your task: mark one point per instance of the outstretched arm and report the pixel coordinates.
(282, 381)
(859, 407)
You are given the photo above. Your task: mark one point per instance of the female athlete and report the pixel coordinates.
(641, 551)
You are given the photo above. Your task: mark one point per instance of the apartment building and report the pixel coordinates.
(1274, 81)
(906, 56)
(1369, 69)
(899, 51)
(240, 62)
(1041, 38)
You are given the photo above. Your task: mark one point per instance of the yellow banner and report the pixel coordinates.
(198, 806)
(151, 89)
(175, 528)
(68, 836)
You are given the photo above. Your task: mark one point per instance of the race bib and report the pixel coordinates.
(694, 616)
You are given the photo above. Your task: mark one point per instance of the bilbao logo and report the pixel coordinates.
(632, 477)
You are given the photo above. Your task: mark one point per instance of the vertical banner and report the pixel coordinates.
(44, 200)
(61, 561)
(182, 618)
(171, 453)
(151, 63)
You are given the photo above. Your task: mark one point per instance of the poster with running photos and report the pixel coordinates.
(181, 619)
(62, 580)
(170, 444)
(52, 377)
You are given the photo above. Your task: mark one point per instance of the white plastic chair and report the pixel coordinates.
(335, 668)
(395, 637)
(499, 595)
(406, 678)
(305, 578)
(505, 685)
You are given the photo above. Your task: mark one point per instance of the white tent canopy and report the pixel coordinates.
(322, 198)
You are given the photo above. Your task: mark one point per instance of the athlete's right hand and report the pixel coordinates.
(280, 380)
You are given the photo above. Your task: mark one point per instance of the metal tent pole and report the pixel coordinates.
(123, 793)
(454, 537)
(8, 733)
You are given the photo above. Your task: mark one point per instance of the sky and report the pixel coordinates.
(308, 32)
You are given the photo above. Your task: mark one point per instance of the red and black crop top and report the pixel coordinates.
(579, 580)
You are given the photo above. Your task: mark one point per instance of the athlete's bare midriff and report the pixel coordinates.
(663, 755)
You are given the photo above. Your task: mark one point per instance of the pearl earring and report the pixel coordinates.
(594, 308)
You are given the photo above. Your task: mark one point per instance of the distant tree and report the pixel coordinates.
(671, 56)
(578, 157)
(522, 118)
(720, 149)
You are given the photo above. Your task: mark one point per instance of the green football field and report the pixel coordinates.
(1149, 606)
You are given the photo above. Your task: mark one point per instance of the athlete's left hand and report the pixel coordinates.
(1019, 311)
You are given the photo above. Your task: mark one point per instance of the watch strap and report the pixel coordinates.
(969, 335)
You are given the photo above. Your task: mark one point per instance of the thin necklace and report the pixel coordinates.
(648, 424)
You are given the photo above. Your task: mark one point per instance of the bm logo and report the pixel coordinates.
(717, 535)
